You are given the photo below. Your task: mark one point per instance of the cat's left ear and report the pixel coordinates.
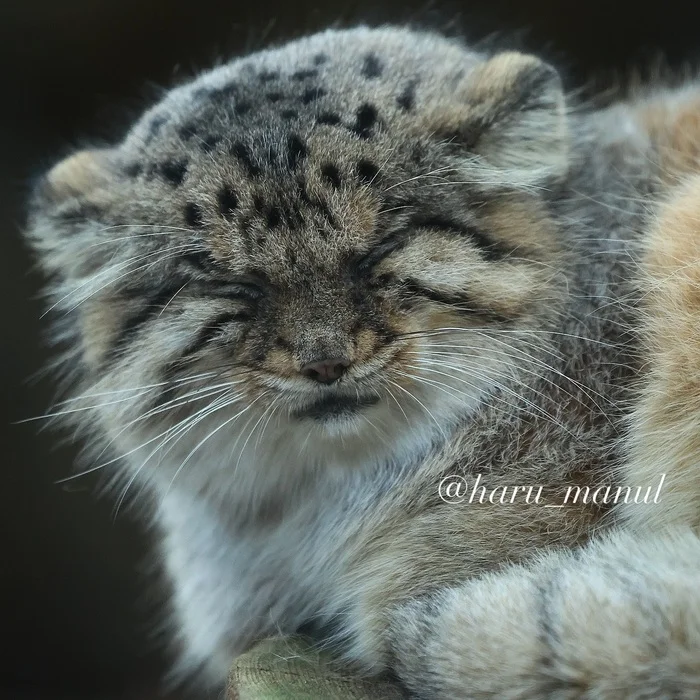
(509, 113)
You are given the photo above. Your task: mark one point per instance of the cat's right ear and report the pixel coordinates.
(65, 208)
(74, 177)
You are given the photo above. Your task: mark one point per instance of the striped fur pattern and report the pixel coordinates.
(467, 249)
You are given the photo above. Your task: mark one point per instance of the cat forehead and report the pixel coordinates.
(355, 80)
(274, 192)
(309, 137)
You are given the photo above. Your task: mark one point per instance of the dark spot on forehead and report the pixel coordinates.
(296, 152)
(156, 123)
(311, 94)
(246, 226)
(289, 114)
(187, 131)
(242, 107)
(174, 171)
(274, 96)
(331, 173)
(316, 203)
(365, 120)
(304, 74)
(328, 118)
(193, 215)
(292, 215)
(228, 202)
(223, 93)
(243, 154)
(367, 171)
(258, 203)
(133, 169)
(407, 98)
(273, 216)
(320, 58)
(371, 67)
(283, 343)
(272, 155)
(209, 142)
(267, 76)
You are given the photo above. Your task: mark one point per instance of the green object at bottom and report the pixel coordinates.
(289, 669)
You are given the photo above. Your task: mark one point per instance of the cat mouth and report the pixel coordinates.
(335, 407)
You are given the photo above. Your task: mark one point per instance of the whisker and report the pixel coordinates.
(114, 268)
(499, 331)
(396, 401)
(138, 388)
(275, 405)
(424, 407)
(170, 301)
(250, 434)
(452, 391)
(537, 410)
(171, 254)
(422, 176)
(521, 368)
(129, 452)
(213, 432)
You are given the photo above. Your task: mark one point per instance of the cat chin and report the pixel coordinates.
(250, 460)
(335, 428)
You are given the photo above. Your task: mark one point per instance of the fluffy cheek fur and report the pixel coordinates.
(240, 422)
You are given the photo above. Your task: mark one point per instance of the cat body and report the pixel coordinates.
(317, 284)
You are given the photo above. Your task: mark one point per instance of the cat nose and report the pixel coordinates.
(326, 371)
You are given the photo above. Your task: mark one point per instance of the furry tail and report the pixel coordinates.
(665, 426)
(617, 619)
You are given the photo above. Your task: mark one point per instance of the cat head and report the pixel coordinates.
(332, 248)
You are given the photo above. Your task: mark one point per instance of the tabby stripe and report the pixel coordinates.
(212, 328)
(152, 306)
(230, 291)
(463, 301)
(206, 334)
(201, 260)
(383, 249)
(169, 374)
(548, 595)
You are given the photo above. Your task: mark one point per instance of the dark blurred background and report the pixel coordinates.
(77, 603)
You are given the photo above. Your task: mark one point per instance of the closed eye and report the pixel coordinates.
(382, 250)
(489, 249)
(212, 282)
